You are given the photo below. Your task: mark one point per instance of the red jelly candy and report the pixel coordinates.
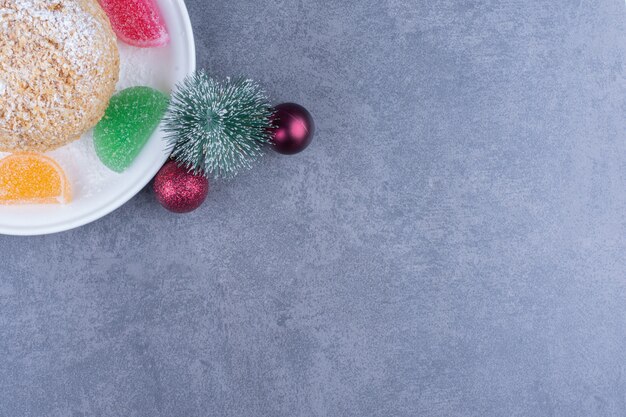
(137, 22)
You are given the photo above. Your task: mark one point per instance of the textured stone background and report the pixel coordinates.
(452, 244)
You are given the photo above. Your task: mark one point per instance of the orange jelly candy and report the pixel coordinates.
(28, 178)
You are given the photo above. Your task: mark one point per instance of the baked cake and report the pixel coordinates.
(59, 64)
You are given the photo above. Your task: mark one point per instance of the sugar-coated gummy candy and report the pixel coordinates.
(131, 118)
(29, 178)
(137, 22)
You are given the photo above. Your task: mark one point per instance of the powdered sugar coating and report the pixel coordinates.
(59, 64)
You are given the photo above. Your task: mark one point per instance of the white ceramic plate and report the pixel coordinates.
(98, 191)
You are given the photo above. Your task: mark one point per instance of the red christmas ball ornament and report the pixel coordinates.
(178, 190)
(294, 129)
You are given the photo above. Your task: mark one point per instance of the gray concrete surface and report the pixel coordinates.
(452, 244)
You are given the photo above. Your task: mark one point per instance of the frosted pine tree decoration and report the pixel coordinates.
(218, 128)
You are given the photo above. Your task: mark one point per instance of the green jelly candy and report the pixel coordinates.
(131, 118)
